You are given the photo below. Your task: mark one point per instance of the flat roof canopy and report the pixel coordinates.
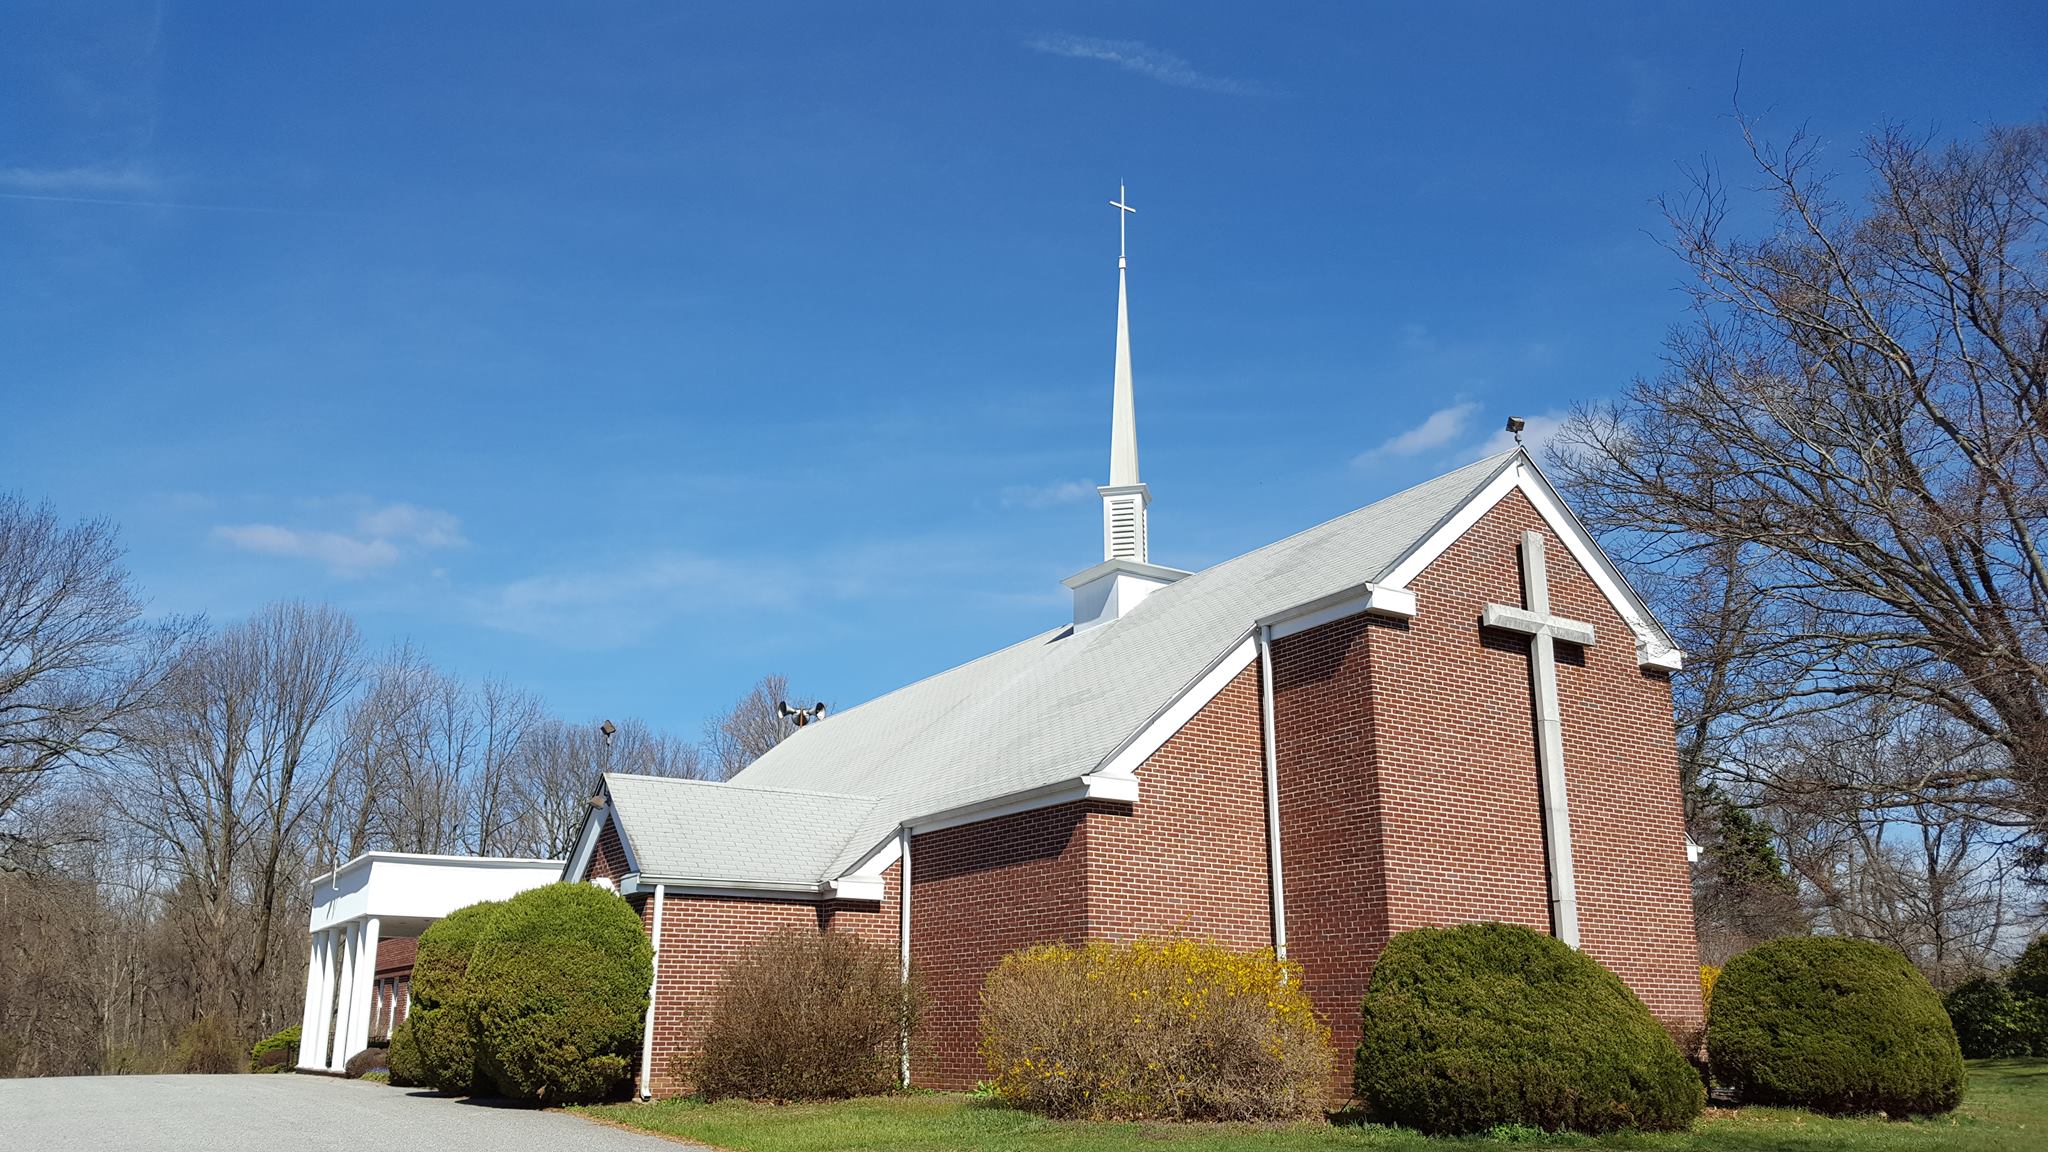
(407, 891)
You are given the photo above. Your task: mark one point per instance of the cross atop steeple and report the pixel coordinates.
(1127, 212)
(1125, 498)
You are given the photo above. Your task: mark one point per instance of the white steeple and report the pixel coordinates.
(1107, 591)
(1125, 499)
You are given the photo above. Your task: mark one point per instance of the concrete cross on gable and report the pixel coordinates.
(1544, 630)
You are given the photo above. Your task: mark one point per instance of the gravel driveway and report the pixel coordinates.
(285, 1113)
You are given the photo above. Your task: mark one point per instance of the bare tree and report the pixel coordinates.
(558, 768)
(1850, 446)
(745, 732)
(77, 662)
(225, 769)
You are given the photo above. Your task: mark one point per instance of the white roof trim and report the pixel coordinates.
(1654, 648)
(1117, 789)
(1370, 597)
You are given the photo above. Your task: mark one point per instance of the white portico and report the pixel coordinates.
(379, 895)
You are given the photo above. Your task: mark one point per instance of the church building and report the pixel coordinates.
(1446, 706)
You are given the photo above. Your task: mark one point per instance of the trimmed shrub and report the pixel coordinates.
(807, 1015)
(1173, 1030)
(558, 990)
(1485, 1025)
(1838, 1026)
(406, 1069)
(439, 1022)
(365, 1062)
(1988, 1020)
(204, 1046)
(277, 1052)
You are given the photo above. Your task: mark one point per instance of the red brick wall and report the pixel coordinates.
(1332, 834)
(608, 859)
(701, 935)
(977, 893)
(1435, 776)
(1189, 860)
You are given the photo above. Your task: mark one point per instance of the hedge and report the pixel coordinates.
(1494, 1024)
(1173, 1030)
(558, 988)
(1838, 1026)
(439, 1022)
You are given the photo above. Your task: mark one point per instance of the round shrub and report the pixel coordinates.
(1838, 1026)
(1494, 1024)
(439, 1023)
(559, 989)
(1172, 1030)
(807, 1015)
(277, 1052)
(1989, 1021)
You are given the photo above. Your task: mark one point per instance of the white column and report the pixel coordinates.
(319, 994)
(360, 993)
(337, 1058)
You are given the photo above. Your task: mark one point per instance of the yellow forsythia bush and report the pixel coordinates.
(1708, 974)
(1153, 1029)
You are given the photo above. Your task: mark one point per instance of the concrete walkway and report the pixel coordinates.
(287, 1113)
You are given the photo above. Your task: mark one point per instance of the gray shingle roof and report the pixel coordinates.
(1047, 710)
(729, 833)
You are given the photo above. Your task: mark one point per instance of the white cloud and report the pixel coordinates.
(615, 605)
(343, 555)
(382, 536)
(1048, 495)
(1141, 58)
(82, 178)
(425, 527)
(1436, 430)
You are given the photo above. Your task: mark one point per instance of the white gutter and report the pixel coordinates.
(903, 944)
(1279, 889)
(647, 1029)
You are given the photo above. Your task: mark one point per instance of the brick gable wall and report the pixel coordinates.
(608, 858)
(1434, 775)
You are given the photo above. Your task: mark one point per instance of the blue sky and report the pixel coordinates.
(630, 351)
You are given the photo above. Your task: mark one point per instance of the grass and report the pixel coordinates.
(2004, 1110)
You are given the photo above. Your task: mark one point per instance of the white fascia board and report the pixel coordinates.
(1132, 754)
(1653, 645)
(710, 886)
(1094, 786)
(1373, 597)
(871, 888)
(865, 880)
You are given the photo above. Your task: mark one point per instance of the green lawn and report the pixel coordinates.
(2006, 1108)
